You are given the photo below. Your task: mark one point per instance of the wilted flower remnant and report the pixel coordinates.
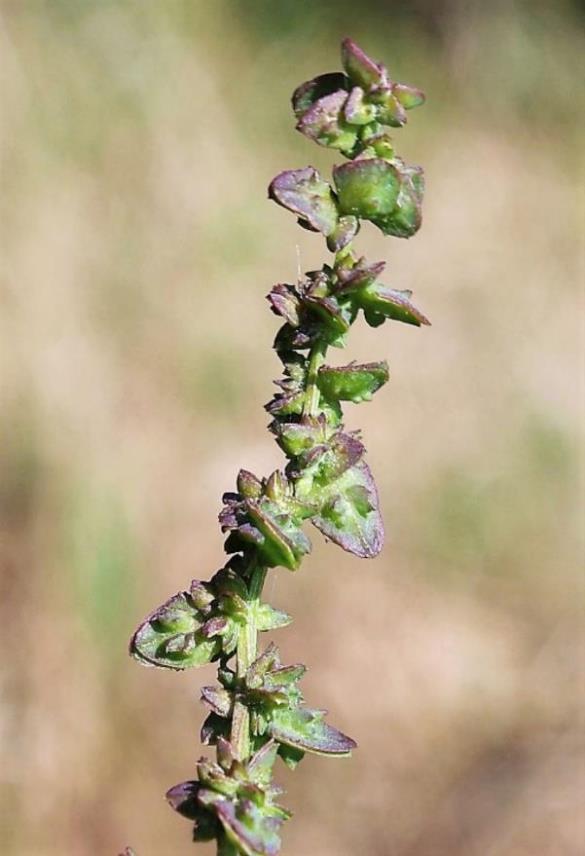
(256, 711)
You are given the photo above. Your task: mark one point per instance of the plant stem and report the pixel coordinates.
(316, 357)
(226, 848)
(245, 656)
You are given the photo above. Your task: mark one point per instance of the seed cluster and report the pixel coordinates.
(256, 712)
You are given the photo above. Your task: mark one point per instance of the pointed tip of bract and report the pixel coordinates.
(360, 68)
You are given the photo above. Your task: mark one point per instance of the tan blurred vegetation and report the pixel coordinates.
(138, 140)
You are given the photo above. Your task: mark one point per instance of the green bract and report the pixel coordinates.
(352, 383)
(256, 712)
(367, 188)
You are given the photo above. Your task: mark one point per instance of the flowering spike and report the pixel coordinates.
(256, 712)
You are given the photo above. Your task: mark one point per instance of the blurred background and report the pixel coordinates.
(138, 140)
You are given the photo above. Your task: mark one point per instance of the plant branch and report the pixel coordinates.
(257, 712)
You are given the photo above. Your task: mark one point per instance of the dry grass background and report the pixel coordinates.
(138, 139)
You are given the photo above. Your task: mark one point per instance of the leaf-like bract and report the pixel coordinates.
(171, 637)
(349, 515)
(307, 730)
(304, 193)
(353, 382)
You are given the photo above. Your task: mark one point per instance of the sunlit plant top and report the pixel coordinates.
(256, 711)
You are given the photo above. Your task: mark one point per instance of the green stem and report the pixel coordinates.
(316, 357)
(226, 848)
(245, 656)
